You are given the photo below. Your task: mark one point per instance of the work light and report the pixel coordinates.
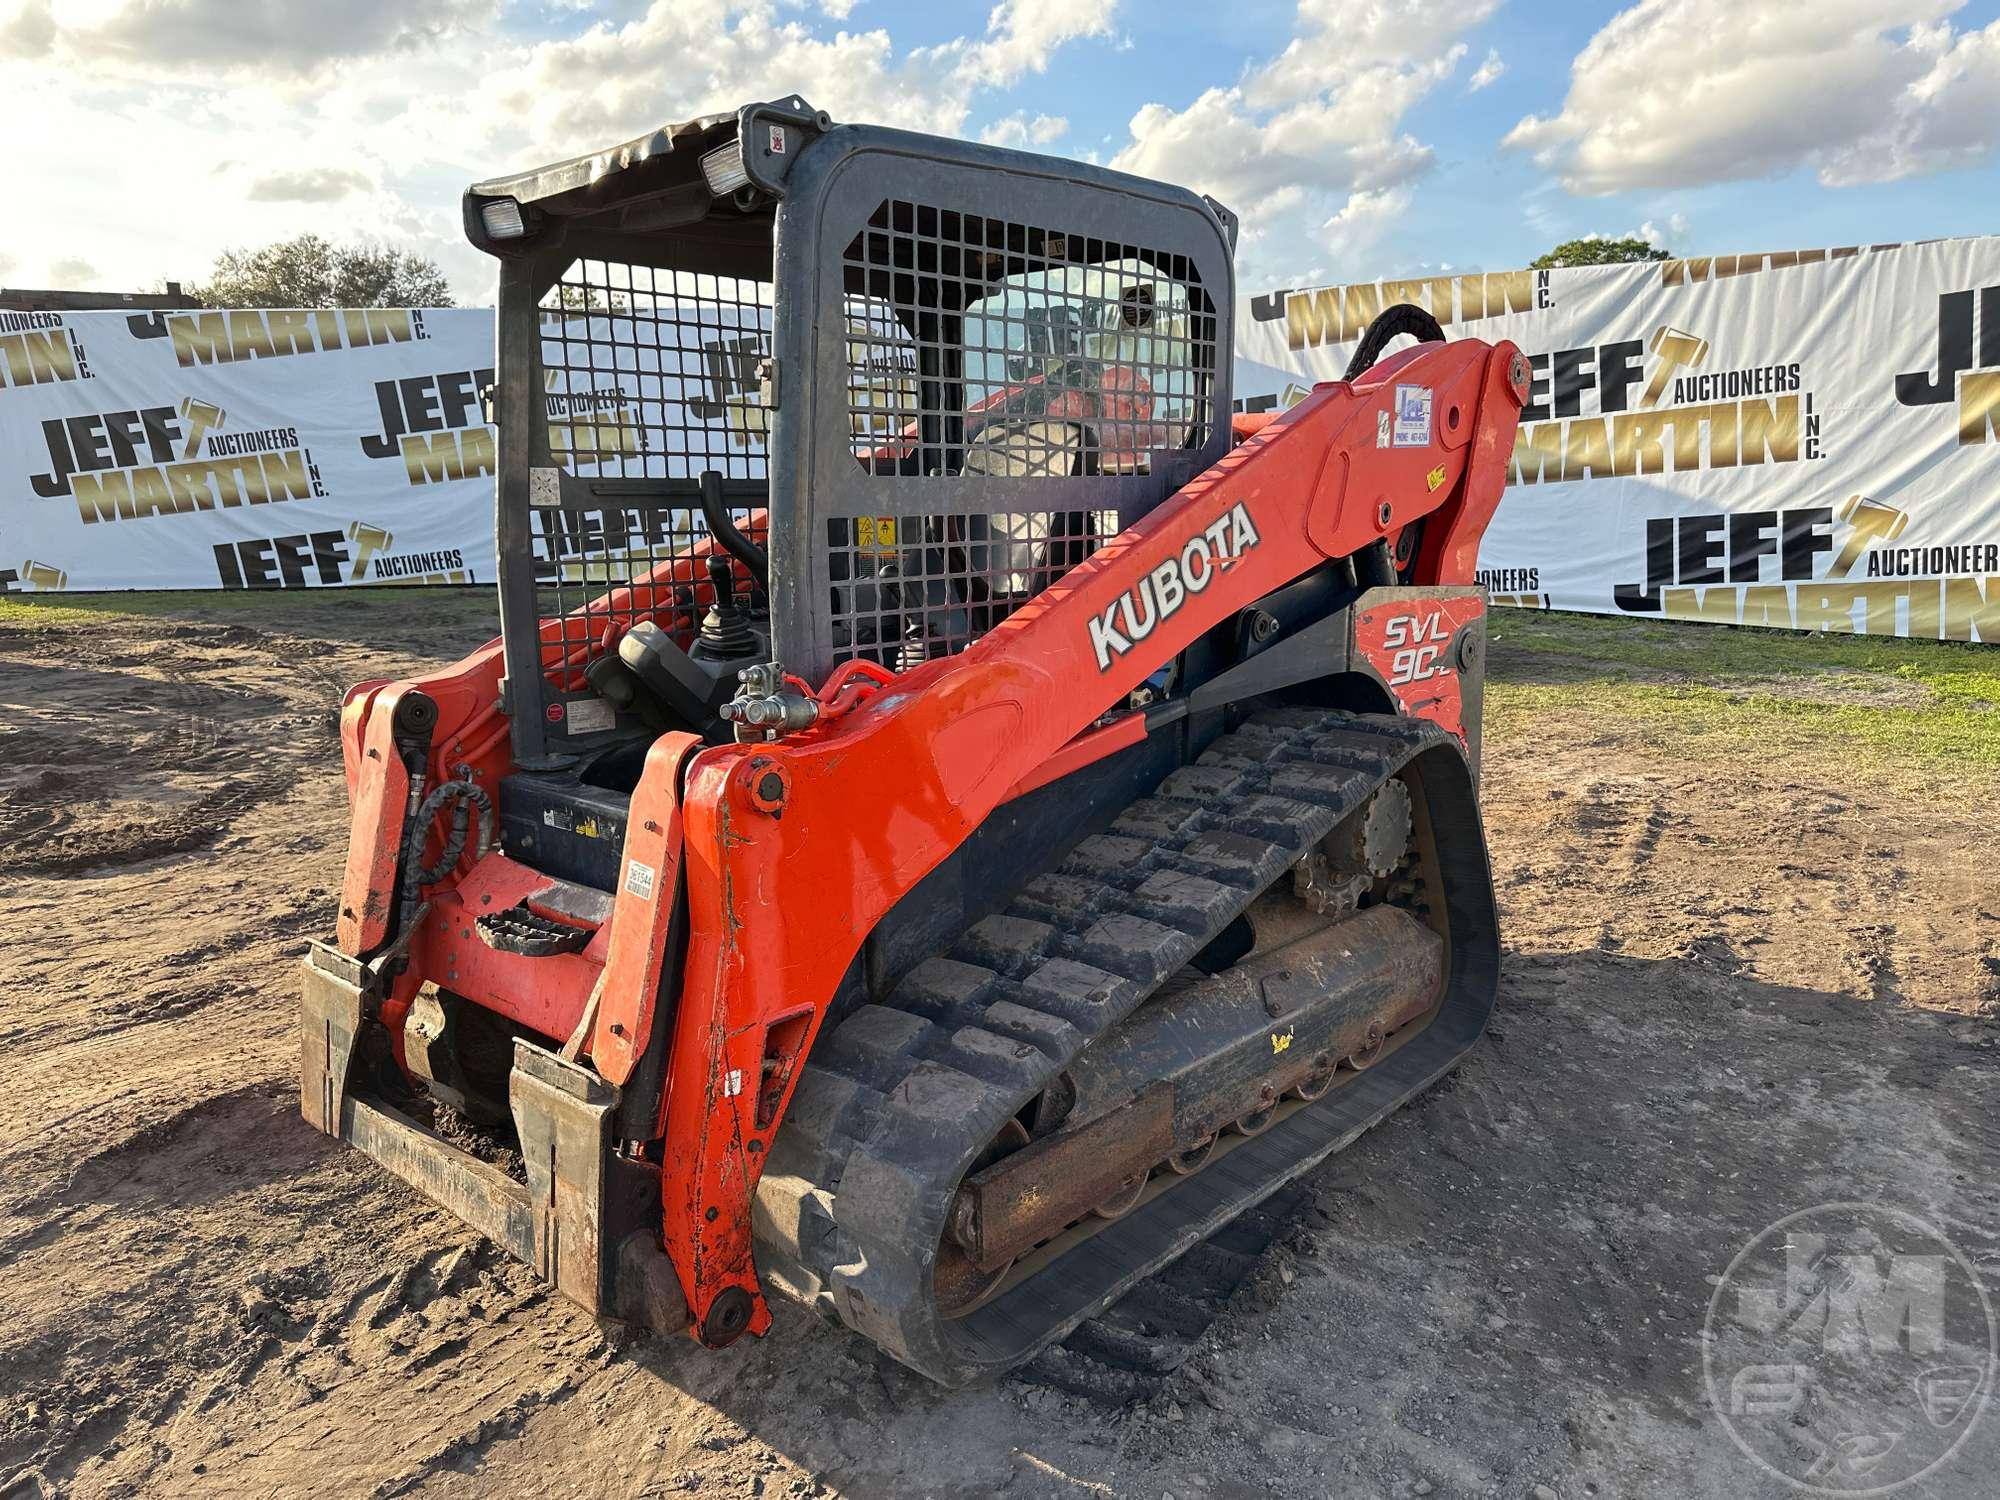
(502, 218)
(723, 167)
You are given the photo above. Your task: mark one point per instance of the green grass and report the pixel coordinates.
(1923, 706)
(220, 604)
(1918, 705)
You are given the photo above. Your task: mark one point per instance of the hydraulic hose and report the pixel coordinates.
(461, 796)
(1392, 323)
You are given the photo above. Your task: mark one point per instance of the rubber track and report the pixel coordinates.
(1131, 1350)
(898, 1097)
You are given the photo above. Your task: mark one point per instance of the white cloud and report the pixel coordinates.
(390, 107)
(1947, 118)
(286, 36)
(1488, 72)
(72, 273)
(310, 185)
(1363, 221)
(1337, 40)
(1018, 129)
(29, 32)
(1677, 93)
(1669, 236)
(682, 58)
(1317, 126)
(1021, 36)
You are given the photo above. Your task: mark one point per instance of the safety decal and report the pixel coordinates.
(591, 716)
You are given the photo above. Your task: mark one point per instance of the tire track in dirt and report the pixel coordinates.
(106, 715)
(286, 1332)
(206, 1296)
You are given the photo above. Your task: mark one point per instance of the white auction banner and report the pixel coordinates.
(1808, 440)
(245, 449)
(1804, 440)
(269, 448)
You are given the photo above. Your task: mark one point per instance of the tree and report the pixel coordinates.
(1595, 250)
(573, 298)
(311, 272)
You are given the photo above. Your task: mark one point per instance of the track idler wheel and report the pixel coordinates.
(1370, 1051)
(1193, 1159)
(1367, 847)
(1315, 1084)
(1259, 1119)
(1125, 1199)
(958, 1284)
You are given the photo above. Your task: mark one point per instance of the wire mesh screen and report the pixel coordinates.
(979, 345)
(1004, 351)
(649, 374)
(654, 374)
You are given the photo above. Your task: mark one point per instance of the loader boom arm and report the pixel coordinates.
(795, 849)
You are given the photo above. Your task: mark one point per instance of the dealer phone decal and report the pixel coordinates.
(1413, 417)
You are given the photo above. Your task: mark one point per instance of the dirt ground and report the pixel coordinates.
(1733, 989)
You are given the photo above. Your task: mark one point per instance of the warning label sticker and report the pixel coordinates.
(591, 716)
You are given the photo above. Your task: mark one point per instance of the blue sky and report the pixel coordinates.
(1357, 139)
(1482, 205)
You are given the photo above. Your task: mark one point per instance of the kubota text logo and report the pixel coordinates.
(1158, 597)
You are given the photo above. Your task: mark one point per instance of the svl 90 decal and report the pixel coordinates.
(1412, 644)
(1416, 645)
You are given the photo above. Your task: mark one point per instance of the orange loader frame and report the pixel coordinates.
(780, 857)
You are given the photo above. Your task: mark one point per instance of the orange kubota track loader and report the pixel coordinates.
(953, 815)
